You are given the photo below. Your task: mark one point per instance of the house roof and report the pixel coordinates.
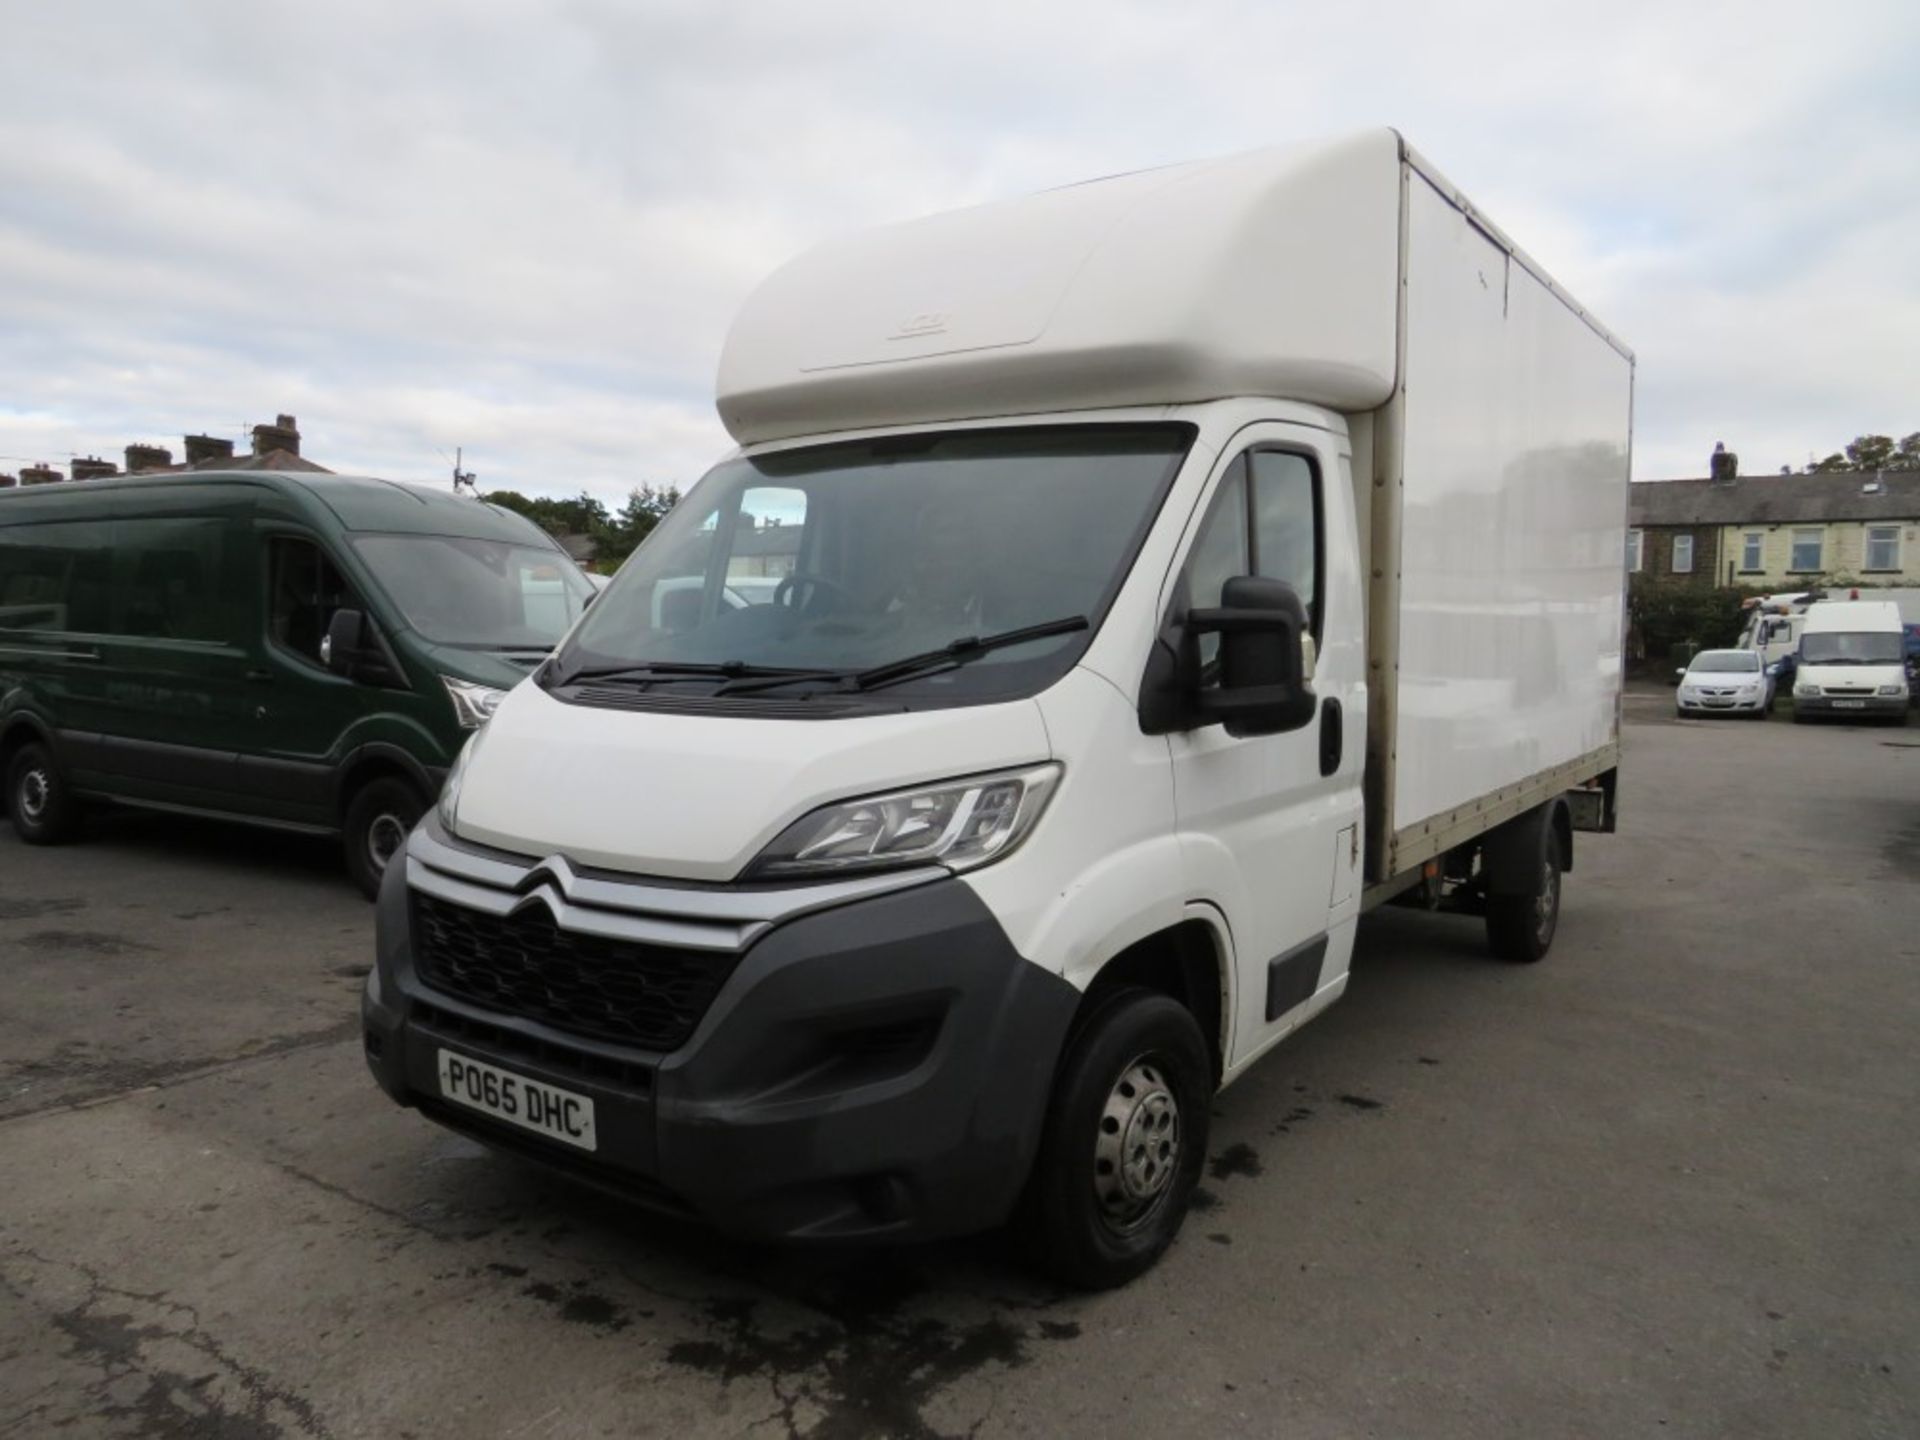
(272, 460)
(1778, 499)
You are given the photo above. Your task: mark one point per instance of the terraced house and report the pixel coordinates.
(1779, 532)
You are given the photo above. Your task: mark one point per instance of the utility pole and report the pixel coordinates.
(462, 477)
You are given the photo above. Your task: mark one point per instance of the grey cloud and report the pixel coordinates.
(523, 229)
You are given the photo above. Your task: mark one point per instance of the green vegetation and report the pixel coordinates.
(1665, 615)
(1875, 452)
(615, 535)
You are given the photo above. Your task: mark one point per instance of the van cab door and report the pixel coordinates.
(1270, 824)
(302, 712)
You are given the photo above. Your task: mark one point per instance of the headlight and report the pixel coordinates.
(449, 801)
(1806, 689)
(473, 705)
(1893, 689)
(958, 824)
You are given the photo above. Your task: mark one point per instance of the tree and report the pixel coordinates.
(1873, 452)
(615, 536)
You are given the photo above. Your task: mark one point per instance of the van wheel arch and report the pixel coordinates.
(384, 793)
(24, 730)
(1183, 962)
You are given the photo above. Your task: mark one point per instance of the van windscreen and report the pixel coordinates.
(832, 560)
(480, 594)
(1851, 647)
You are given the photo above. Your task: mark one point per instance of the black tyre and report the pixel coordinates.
(1520, 928)
(1125, 1137)
(38, 801)
(382, 814)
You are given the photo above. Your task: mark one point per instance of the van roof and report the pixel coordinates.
(354, 502)
(1826, 616)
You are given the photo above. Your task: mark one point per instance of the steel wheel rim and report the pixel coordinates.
(385, 836)
(1546, 904)
(1136, 1150)
(35, 787)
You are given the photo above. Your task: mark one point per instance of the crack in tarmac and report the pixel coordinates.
(235, 1401)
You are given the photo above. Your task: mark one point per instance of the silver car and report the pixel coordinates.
(1725, 682)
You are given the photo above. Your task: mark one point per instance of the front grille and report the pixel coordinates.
(649, 996)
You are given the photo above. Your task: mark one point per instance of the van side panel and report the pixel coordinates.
(1511, 599)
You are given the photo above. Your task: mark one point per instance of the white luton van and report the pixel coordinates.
(1170, 568)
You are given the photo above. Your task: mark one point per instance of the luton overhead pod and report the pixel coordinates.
(1273, 273)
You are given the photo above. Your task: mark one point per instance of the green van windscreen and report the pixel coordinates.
(485, 594)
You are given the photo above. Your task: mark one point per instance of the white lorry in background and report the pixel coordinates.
(1181, 564)
(1852, 662)
(1773, 628)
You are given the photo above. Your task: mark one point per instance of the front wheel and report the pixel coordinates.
(378, 822)
(1521, 927)
(1125, 1137)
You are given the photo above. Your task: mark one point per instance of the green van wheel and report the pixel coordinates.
(41, 807)
(381, 816)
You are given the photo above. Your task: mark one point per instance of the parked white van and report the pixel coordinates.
(1186, 562)
(1852, 662)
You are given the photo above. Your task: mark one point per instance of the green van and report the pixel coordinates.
(302, 651)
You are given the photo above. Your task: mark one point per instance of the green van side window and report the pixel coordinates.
(56, 576)
(171, 580)
(304, 589)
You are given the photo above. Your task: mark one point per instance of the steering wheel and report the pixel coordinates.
(787, 590)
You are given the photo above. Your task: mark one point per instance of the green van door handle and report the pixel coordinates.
(260, 677)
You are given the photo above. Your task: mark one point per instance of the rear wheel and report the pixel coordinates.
(382, 815)
(1521, 927)
(1125, 1137)
(42, 808)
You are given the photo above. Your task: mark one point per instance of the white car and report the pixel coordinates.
(1721, 682)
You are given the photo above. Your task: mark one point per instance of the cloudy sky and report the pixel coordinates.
(522, 228)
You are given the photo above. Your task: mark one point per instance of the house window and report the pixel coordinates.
(1806, 550)
(1633, 550)
(1683, 554)
(1750, 552)
(1883, 547)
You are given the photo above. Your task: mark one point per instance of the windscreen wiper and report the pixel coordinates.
(954, 652)
(958, 652)
(671, 670)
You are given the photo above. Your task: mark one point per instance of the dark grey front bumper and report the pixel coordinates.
(877, 1069)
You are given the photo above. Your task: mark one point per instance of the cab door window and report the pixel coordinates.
(1265, 520)
(304, 588)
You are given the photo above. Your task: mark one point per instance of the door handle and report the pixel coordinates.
(1332, 740)
(260, 677)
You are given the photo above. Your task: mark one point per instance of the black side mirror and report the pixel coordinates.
(1263, 632)
(341, 646)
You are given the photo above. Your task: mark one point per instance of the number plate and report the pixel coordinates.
(531, 1104)
(1849, 704)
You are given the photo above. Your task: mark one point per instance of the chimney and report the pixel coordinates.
(39, 475)
(92, 468)
(1724, 465)
(147, 457)
(283, 434)
(203, 448)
